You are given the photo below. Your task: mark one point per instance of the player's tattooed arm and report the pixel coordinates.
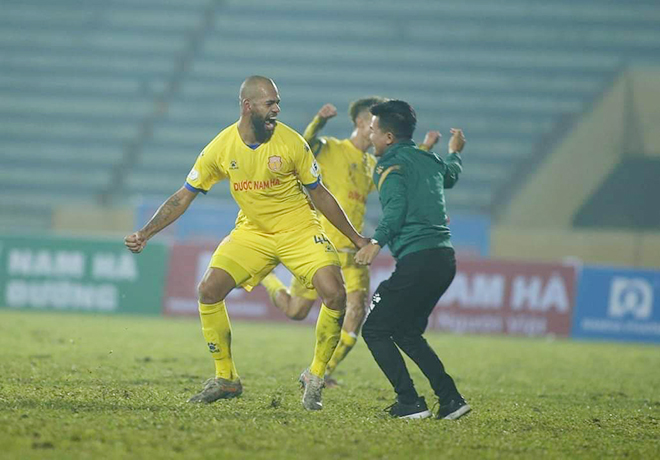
(168, 212)
(327, 204)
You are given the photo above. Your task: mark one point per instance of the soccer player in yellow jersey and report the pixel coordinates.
(267, 165)
(347, 172)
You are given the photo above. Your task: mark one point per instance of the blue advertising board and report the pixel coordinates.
(470, 234)
(618, 304)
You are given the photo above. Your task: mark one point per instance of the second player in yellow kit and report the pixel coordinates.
(348, 168)
(349, 178)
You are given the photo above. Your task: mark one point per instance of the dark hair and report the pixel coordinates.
(396, 117)
(355, 108)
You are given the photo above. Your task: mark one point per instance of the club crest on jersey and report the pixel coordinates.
(274, 163)
(233, 165)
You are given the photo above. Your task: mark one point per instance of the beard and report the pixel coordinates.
(261, 133)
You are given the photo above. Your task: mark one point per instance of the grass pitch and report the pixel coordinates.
(116, 387)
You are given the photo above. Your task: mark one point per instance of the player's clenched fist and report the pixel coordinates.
(135, 242)
(457, 141)
(327, 111)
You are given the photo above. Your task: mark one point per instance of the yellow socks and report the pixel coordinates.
(346, 343)
(273, 285)
(217, 333)
(328, 328)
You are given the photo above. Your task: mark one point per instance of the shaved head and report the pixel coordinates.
(259, 100)
(255, 86)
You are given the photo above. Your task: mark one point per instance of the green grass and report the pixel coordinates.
(116, 387)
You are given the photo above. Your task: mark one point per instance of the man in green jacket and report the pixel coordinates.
(411, 184)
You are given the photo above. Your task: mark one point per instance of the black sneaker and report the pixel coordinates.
(418, 409)
(456, 408)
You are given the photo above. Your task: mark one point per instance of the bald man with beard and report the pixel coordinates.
(267, 165)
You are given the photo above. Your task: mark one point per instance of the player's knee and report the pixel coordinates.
(297, 315)
(299, 308)
(208, 294)
(335, 299)
(405, 341)
(373, 331)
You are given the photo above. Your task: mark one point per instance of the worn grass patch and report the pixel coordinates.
(74, 386)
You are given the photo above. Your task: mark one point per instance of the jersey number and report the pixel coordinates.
(321, 239)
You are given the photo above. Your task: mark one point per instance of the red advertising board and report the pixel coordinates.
(511, 298)
(501, 297)
(487, 296)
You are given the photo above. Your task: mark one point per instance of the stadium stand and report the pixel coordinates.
(103, 101)
(79, 84)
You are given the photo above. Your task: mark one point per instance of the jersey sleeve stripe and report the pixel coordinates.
(313, 185)
(194, 189)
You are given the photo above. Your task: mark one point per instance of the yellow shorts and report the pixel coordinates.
(249, 255)
(356, 278)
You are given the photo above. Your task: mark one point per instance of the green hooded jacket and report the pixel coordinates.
(411, 185)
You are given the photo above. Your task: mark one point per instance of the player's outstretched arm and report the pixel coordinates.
(166, 214)
(327, 204)
(312, 131)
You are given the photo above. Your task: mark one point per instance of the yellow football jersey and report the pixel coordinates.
(266, 182)
(347, 173)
